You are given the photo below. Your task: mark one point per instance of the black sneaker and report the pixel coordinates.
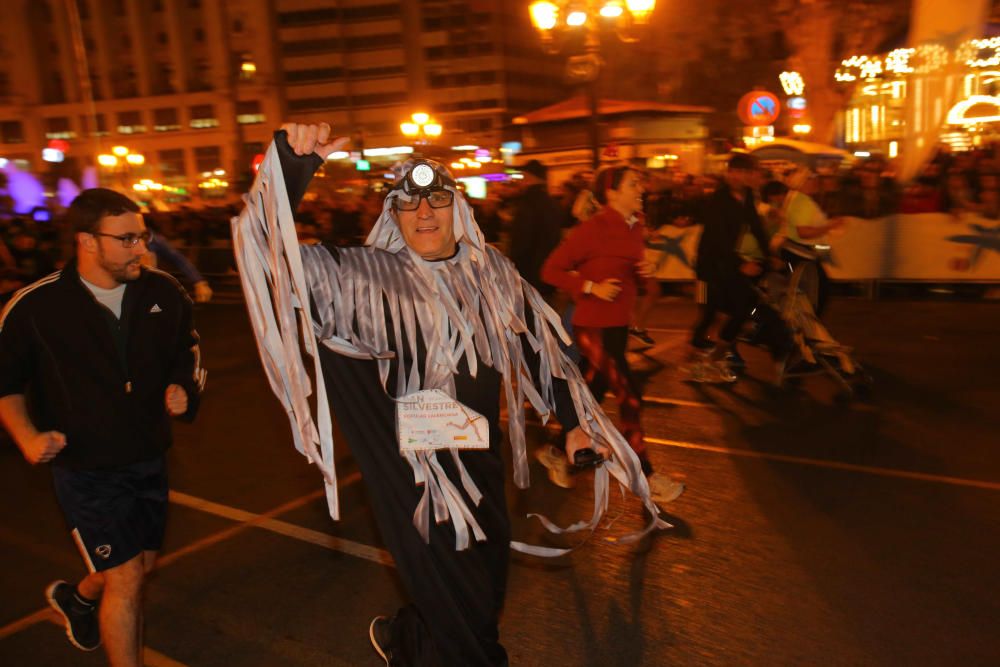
(702, 345)
(642, 335)
(380, 634)
(81, 623)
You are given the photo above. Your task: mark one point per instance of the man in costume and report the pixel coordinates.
(418, 331)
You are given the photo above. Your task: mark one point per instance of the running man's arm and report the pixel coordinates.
(36, 447)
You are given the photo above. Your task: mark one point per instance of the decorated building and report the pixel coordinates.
(924, 94)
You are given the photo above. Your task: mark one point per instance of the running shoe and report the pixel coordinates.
(713, 372)
(556, 464)
(662, 489)
(642, 335)
(80, 619)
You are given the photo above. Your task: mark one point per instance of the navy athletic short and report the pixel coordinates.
(114, 514)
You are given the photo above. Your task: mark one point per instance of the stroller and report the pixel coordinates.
(792, 294)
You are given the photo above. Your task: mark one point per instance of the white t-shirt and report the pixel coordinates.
(109, 298)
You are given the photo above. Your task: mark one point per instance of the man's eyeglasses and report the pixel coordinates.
(436, 199)
(129, 240)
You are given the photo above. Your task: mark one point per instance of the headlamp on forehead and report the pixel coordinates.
(423, 179)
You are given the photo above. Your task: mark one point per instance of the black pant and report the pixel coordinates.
(733, 295)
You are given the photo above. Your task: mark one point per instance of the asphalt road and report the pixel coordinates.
(811, 533)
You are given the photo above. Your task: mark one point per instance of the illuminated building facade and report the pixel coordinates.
(185, 83)
(198, 86)
(902, 93)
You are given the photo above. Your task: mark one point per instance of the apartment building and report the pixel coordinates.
(188, 84)
(198, 86)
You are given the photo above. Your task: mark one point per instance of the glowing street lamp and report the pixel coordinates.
(121, 160)
(421, 127)
(554, 18)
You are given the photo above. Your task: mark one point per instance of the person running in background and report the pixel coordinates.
(600, 264)
(726, 216)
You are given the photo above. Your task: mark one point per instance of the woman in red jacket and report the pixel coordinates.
(600, 265)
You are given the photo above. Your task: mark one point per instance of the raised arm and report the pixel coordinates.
(302, 149)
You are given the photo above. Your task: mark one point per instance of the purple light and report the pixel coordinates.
(25, 189)
(66, 192)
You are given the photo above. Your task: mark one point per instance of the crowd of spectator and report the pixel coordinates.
(31, 246)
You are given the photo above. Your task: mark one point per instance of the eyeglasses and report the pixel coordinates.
(129, 240)
(436, 199)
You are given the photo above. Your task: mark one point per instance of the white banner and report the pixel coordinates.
(936, 247)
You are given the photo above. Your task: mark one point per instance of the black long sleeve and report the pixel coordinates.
(297, 169)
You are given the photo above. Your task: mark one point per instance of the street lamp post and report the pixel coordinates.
(120, 161)
(553, 18)
(421, 128)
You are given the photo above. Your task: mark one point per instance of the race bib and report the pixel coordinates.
(429, 420)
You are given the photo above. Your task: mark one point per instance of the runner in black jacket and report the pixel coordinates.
(727, 215)
(94, 360)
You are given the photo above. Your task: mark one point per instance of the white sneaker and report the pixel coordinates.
(662, 489)
(711, 371)
(558, 467)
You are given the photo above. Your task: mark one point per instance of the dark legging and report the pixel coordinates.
(603, 366)
(734, 296)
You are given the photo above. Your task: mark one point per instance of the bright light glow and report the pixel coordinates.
(544, 15)
(338, 155)
(612, 10)
(53, 155)
(898, 61)
(120, 151)
(432, 129)
(393, 150)
(893, 149)
(971, 51)
(249, 68)
(869, 68)
(640, 9)
(420, 118)
(4, 162)
(219, 172)
(803, 128)
(467, 147)
(793, 83)
(475, 186)
(862, 154)
(135, 159)
(139, 187)
(457, 165)
(576, 19)
(409, 129)
(483, 159)
(106, 160)
(146, 181)
(957, 115)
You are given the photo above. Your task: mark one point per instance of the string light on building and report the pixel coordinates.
(985, 108)
(868, 68)
(792, 83)
(898, 61)
(930, 58)
(981, 52)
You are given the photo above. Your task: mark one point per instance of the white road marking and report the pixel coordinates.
(833, 465)
(285, 528)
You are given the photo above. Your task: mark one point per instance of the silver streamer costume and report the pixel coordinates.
(471, 308)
